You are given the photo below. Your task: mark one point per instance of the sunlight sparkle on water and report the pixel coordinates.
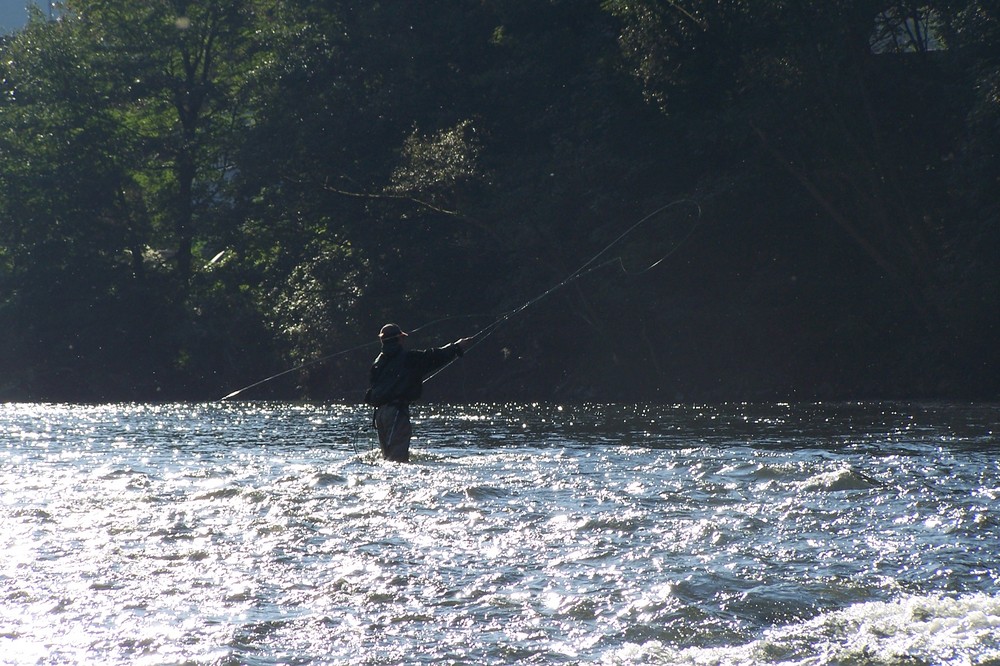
(611, 534)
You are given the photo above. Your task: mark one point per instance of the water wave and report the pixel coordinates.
(260, 534)
(933, 630)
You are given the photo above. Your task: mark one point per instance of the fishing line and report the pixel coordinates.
(344, 352)
(296, 368)
(369, 440)
(587, 268)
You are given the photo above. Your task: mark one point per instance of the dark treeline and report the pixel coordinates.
(197, 194)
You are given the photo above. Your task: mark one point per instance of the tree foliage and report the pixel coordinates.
(196, 194)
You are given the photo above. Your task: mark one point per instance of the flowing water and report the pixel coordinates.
(598, 534)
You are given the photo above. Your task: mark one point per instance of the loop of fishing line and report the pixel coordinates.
(586, 269)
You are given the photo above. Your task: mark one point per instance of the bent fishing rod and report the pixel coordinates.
(587, 268)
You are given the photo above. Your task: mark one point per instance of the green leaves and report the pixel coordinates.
(366, 161)
(434, 165)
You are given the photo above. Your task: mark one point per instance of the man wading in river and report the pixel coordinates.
(397, 378)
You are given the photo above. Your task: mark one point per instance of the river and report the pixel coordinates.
(251, 533)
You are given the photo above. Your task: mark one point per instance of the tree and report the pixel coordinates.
(69, 244)
(133, 110)
(858, 104)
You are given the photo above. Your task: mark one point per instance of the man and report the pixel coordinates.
(397, 378)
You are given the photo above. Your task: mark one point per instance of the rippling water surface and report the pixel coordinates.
(607, 534)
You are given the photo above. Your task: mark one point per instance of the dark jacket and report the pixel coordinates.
(397, 375)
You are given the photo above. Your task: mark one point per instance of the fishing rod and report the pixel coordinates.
(586, 269)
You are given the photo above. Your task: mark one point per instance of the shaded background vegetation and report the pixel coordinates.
(197, 194)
